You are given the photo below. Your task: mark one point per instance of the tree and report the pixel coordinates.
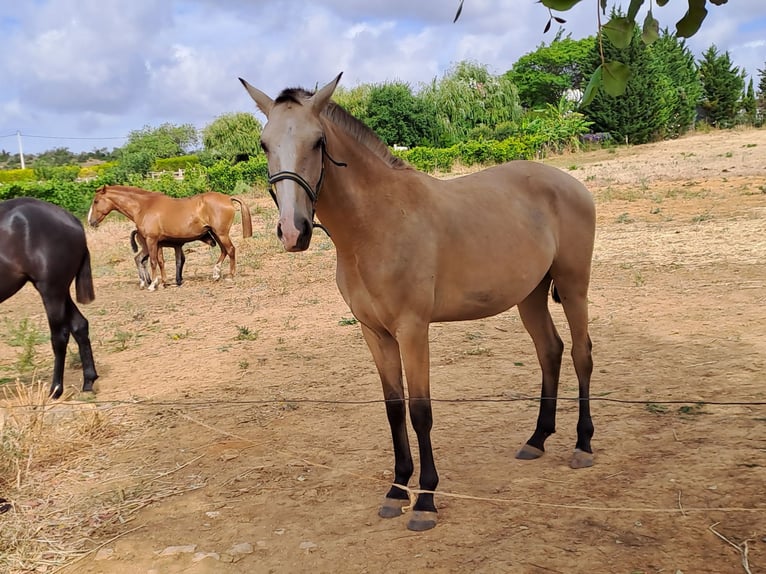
(544, 76)
(233, 136)
(612, 75)
(761, 99)
(722, 85)
(682, 71)
(749, 104)
(353, 100)
(643, 112)
(168, 140)
(397, 116)
(467, 97)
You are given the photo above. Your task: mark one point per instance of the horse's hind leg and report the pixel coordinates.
(78, 325)
(227, 248)
(550, 348)
(573, 292)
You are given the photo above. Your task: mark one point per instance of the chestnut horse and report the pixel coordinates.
(144, 278)
(413, 249)
(45, 245)
(162, 219)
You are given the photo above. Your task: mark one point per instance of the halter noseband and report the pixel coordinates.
(297, 178)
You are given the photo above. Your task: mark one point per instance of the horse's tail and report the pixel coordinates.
(84, 280)
(133, 244)
(555, 293)
(247, 221)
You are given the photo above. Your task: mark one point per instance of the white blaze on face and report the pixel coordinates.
(90, 214)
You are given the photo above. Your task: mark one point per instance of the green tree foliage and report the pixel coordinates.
(681, 69)
(397, 116)
(233, 136)
(543, 76)
(148, 144)
(468, 96)
(353, 100)
(749, 105)
(722, 85)
(643, 112)
(761, 98)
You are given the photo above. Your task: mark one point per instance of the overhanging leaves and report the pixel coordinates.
(593, 85)
(560, 5)
(619, 30)
(687, 26)
(651, 29)
(615, 77)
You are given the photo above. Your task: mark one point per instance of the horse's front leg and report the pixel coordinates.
(413, 340)
(385, 352)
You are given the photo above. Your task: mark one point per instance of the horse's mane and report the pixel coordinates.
(129, 188)
(351, 125)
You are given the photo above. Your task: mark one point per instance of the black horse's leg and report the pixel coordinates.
(78, 325)
(180, 260)
(385, 352)
(56, 309)
(537, 320)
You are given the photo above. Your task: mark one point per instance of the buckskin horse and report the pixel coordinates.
(412, 250)
(162, 219)
(46, 245)
(144, 278)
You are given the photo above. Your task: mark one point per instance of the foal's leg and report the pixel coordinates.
(385, 352)
(55, 304)
(413, 341)
(78, 325)
(180, 260)
(549, 347)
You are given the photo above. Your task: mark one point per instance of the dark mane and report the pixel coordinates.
(351, 125)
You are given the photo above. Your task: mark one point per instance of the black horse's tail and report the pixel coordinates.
(133, 244)
(84, 280)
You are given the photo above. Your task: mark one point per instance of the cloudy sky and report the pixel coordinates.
(72, 71)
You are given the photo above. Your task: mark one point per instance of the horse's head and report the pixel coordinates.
(100, 207)
(294, 142)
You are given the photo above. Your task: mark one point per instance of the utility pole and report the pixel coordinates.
(21, 150)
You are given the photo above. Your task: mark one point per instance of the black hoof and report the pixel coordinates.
(392, 507)
(529, 452)
(422, 520)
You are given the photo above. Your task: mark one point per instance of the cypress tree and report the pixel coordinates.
(685, 84)
(722, 85)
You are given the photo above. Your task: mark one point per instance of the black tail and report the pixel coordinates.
(133, 244)
(84, 281)
(555, 294)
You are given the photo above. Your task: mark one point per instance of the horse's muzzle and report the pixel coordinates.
(295, 237)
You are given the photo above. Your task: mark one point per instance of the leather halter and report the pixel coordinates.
(313, 193)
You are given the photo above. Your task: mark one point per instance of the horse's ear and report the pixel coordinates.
(264, 102)
(320, 99)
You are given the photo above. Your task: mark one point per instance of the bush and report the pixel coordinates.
(16, 175)
(175, 163)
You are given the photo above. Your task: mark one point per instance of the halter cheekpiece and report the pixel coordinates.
(297, 178)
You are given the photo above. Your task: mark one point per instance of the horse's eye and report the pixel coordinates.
(264, 147)
(319, 143)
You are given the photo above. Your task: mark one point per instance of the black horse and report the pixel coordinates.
(45, 244)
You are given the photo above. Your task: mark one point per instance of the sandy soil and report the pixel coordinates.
(214, 433)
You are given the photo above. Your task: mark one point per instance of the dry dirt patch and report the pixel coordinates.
(209, 441)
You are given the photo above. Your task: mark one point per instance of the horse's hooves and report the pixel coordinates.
(392, 507)
(529, 452)
(57, 391)
(422, 520)
(581, 459)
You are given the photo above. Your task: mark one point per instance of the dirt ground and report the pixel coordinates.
(213, 436)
